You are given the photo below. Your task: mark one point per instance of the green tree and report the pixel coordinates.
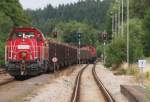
(69, 33)
(11, 15)
(146, 38)
(14, 11)
(116, 52)
(92, 12)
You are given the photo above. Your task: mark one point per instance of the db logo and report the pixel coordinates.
(54, 59)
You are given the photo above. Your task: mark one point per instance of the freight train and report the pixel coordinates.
(29, 53)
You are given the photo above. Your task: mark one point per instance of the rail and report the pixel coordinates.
(2, 71)
(106, 94)
(76, 92)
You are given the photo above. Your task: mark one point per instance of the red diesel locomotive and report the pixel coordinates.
(88, 54)
(28, 53)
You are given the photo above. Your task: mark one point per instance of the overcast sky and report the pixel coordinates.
(35, 4)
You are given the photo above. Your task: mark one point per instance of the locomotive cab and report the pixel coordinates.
(24, 52)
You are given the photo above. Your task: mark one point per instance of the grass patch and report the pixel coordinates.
(135, 71)
(148, 59)
(132, 70)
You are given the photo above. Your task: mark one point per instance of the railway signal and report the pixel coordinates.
(104, 38)
(79, 37)
(55, 33)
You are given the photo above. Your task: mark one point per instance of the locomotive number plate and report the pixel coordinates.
(23, 46)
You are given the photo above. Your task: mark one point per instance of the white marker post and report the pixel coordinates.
(142, 64)
(54, 60)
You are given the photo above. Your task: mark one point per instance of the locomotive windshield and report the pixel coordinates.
(23, 35)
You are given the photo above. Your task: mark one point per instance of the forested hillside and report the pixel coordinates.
(89, 16)
(11, 15)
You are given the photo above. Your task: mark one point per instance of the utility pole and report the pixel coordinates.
(113, 25)
(122, 28)
(116, 24)
(119, 17)
(128, 32)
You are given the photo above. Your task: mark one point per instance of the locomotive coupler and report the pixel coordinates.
(23, 67)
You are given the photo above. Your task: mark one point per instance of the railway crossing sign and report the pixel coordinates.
(142, 63)
(54, 59)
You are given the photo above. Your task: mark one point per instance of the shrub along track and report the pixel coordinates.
(76, 95)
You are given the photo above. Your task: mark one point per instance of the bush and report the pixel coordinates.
(2, 54)
(116, 52)
(147, 75)
(146, 39)
(99, 50)
(132, 71)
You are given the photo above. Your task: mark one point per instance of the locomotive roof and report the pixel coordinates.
(25, 29)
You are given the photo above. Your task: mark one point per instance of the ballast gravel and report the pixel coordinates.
(60, 90)
(5, 77)
(89, 91)
(113, 82)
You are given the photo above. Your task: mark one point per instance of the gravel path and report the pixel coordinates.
(112, 82)
(16, 91)
(89, 89)
(59, 90)
(4, 76)
(11, 92)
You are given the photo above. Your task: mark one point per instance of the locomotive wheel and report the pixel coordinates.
(46, 67)
(17, 77)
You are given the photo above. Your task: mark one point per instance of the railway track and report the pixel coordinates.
(4, 81)
(2, 71)
(76, 92)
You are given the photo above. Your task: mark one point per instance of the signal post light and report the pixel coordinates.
(104, 38)
(55, 33)
(79, 44)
